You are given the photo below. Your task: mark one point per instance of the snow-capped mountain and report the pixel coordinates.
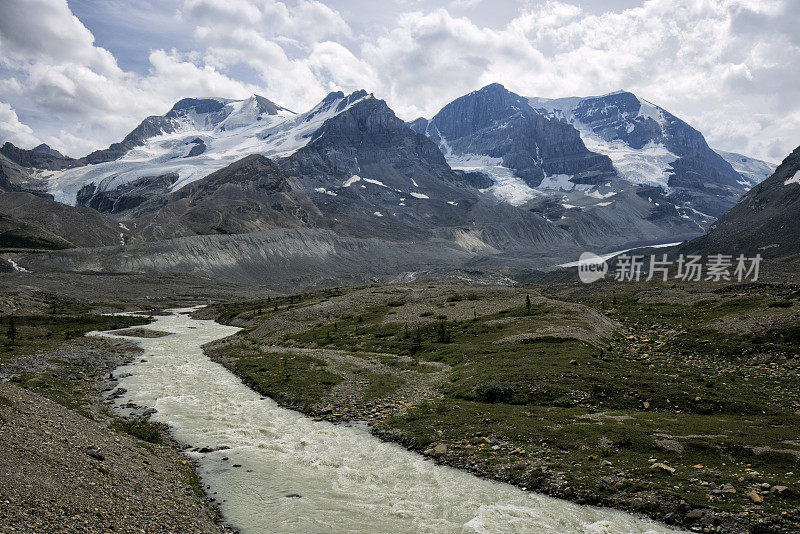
(195, 138)
(571, 158)
(650, 146)
(217, 166)
(753, 171)
(496, 130)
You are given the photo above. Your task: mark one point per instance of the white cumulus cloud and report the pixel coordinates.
(728, 67)
(11, 129)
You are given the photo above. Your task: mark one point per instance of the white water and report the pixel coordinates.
(348, 480)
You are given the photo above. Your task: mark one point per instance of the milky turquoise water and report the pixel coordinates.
(346, 479)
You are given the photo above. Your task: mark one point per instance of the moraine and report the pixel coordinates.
(284, 472)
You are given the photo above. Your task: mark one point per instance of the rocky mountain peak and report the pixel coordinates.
(419, 125)
(40, 157)
(197, 105)
(479, 109)
(45, 149)
(267, 106)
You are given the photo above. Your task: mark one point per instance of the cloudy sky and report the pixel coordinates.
(80, 74)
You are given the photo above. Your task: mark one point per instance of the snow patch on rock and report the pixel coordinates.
(507, 187)
(17, 267)
(350, 181)
(794, 179)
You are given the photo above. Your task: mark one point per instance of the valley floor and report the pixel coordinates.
(679, 403)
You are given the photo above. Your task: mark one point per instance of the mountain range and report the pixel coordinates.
(499, 178)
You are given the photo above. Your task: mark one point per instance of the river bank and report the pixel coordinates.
(613, 402)
(70, 465)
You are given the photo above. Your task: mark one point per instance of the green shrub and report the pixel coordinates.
(139, 428)
(494, 392)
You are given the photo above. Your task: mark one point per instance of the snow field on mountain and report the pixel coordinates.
(228, 137)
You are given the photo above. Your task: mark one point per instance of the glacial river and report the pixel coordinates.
(286, 473)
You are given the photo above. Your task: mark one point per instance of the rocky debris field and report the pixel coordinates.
(62, 472)
(67, 464)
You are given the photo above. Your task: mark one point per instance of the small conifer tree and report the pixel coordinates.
(11, 333)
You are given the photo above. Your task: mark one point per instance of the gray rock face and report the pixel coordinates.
(14, 178)
(616, 116)
(370, 136)
(196, 105)
(11, 175)
(46, 150)
(766, 220)
(498, 123)
(198, 148)
(368, 140)
(419, 125)
(41, 157)
(250, 195)
(127, 196)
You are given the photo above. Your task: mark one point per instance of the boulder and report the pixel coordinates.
(664, 468)
(755, 497)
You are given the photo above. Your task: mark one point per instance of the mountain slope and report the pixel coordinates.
(61, 226)
(766, 221)
(15, 233)
(283, 259)
(249, 195)
(500, 124)
(11, 175)
(15, 178)
(753, 171)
